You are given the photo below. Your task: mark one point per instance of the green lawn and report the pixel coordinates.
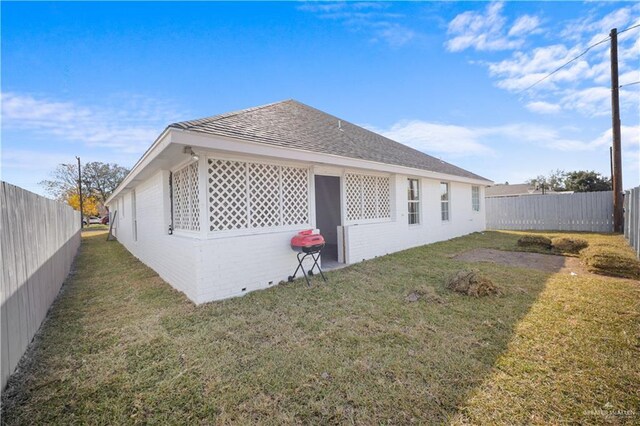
(121, 346)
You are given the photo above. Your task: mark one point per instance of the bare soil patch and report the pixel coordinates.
(542, 262)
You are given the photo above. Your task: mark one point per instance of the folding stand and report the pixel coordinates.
(314, 252)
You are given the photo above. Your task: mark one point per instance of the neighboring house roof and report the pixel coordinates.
(292, 124)
(506, 190)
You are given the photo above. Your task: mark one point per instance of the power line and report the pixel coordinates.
(630, 28)
(629, 84)
(584, 52)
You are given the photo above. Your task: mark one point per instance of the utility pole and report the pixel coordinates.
(618, 214)
(80, 192)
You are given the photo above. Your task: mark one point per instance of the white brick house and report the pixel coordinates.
(213, 203)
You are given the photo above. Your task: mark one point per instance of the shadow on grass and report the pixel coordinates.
(122, 346)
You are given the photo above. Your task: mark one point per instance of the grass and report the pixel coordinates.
(121, 346)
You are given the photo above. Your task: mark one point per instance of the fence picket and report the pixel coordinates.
(39, 238)
(590, 211)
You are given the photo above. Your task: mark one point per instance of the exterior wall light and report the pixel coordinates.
(189, 150)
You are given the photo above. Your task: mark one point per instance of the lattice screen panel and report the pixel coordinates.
(255, 195)
(264, 195)
(384, 197)
(295, 196)
(186, 209)
(367, 197)
(353, 190)
(227, 195)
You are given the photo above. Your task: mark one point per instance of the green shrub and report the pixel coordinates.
(569, 245)
(534, 241)
(612, 261)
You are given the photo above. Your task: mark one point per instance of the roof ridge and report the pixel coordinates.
(190, 123)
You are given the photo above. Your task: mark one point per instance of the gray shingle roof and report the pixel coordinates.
(292, 124)
(505, 190)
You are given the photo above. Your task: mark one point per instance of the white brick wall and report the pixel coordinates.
(174, 257)
(207, 269)
(370, 240)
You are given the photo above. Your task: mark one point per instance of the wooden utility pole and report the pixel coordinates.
(618, 214)
(80, 192)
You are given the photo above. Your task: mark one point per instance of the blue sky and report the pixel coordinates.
(102, 80)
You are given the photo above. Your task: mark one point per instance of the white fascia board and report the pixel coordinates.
(204, 141)
(156, 148)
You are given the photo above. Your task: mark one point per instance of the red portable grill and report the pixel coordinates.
(306, 243)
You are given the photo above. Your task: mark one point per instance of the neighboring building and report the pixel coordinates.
(511, 190)
(213, 203)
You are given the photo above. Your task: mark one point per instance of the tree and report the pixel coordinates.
(102, 179)
(587, 181)
(553, 182)
(64, 180)
(90, 204)
(98, 180)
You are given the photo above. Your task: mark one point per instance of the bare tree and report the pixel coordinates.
(98, 180)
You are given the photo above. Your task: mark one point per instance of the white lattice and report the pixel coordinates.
(384, 197)
(295, 196)
(367, 197)
(353, 190)
(186, 206)
(264, 195)
(227, 195)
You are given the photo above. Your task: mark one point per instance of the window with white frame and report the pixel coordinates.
(444, 201)
(413, 199)
(245, 195)
(134, 222)
(186, 201)
(367, 197)
(475, 198)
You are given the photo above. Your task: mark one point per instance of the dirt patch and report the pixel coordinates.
(542, 262)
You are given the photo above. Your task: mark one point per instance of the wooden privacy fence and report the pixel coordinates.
(583, 211)
(632, 218)
(38, 240)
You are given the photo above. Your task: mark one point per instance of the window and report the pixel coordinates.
(186, 205)
(413, 198)
(246, 195)
(475, 198)
(444, 201)
(367, 197)
(134, 222)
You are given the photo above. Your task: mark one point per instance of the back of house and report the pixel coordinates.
(213, 203)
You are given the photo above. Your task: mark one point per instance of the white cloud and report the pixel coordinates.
(129, 126)
(630, 136)
(370, 17)
(582, 85)
(435, 137)
(486, 30)
(526, 24)
(543, 107)
(461, 141)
